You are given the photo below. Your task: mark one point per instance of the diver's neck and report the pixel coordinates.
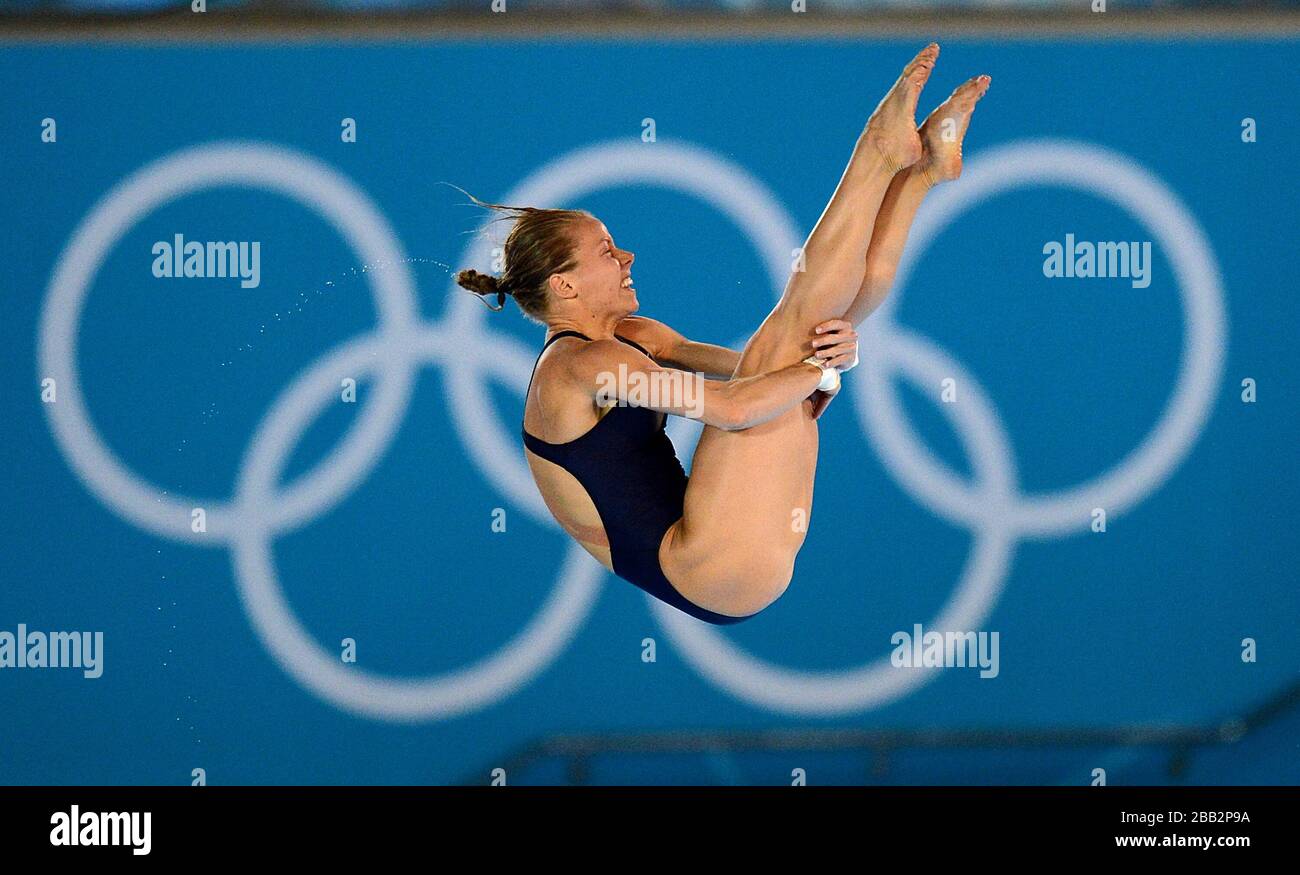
(591, 326)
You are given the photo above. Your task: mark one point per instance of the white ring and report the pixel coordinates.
(257, 165)
(349, 687)
(1111, 176)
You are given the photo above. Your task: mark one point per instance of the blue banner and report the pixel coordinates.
(282, 481)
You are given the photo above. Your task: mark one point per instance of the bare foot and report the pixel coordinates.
(944, 130)
(892, 127)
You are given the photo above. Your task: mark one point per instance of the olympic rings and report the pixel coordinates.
(992, 507)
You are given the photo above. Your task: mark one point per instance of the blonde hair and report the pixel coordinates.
(540, 244)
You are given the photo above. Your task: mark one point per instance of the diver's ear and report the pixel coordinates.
(561, 287)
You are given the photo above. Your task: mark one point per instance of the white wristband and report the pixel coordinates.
(830, 376)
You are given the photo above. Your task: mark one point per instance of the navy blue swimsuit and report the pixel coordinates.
(628, 467)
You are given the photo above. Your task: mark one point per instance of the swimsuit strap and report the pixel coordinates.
(559, 334)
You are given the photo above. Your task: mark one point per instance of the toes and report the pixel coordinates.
(922, 64)
(974, 88)
(966, 95)
(929, 53)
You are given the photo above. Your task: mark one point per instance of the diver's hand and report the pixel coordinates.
(836, 343)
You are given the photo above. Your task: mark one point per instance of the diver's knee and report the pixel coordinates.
(765, 575)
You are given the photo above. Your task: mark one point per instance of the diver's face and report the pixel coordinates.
(603, 272)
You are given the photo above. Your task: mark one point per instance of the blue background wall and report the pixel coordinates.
(1141, 624)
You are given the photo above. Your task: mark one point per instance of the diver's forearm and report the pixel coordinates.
(709, 359)
(752, 401)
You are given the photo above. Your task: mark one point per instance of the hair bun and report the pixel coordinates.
(478, 283)
(482, 284)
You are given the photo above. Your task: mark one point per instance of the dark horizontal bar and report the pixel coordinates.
(580, 747)
(309, 25)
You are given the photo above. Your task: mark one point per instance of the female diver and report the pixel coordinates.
(720, 545)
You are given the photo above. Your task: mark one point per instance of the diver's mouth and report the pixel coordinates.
(627, 283)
